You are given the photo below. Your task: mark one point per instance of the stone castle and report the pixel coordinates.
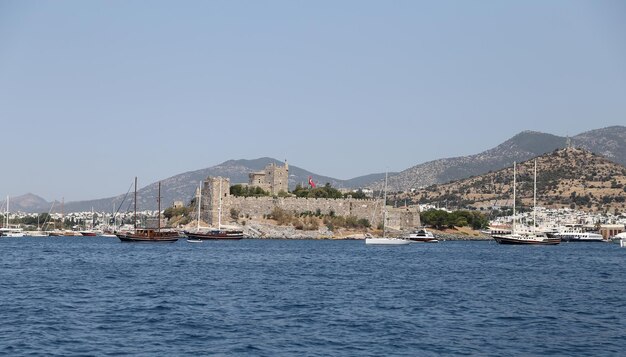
(274, 179)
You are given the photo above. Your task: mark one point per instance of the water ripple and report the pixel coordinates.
(72, 296)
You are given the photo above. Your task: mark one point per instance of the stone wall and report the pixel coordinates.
(258, 207)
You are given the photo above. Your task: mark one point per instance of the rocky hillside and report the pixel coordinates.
(609, 142)
(570, 177)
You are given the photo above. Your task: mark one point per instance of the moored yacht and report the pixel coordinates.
(148, 235)
(210, 233)
(533, 237)
(537, 238)
(11, 232)
(575, 233)
(422, 235)
(369, 240)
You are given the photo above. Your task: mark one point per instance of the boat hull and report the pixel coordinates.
(148, 236)
(13, 235)
(423, 240)
(517, 241)
(216, 235)
(386, 241)
(576, 239)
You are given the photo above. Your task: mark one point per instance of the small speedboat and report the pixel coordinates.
(194, 240)
(422, 235)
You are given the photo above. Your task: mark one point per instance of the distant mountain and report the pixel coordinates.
(569, 177)
(182, 187)
(26, 203)
(609, 142)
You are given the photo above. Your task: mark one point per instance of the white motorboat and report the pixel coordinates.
(422, 235)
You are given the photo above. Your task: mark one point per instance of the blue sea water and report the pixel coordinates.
(97, 296)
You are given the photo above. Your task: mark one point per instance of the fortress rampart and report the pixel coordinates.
(258, 207)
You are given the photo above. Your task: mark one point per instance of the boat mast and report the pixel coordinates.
(159, 215)
(535, 200)
(114, 223)
(385, 205)
(7, 215)
(219, 208)
(135, 216)
(514, 183)
(199, 202)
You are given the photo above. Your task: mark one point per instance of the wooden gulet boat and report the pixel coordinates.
(148, 235)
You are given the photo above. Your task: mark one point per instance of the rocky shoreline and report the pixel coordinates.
(268, 231)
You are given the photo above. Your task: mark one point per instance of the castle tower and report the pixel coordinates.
(277, 178)
(214, 190)
(272, 179)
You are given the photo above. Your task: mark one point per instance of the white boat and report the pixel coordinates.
(7, 230)
(11, 232)
(37, 234)
(618, 238)
(385, 240)
(533, 237)
(574, 233)
(422, 235)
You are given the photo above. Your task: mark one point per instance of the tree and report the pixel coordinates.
(247, 191)
(234, 214)
(359, 195)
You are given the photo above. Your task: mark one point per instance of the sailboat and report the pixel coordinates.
(148, 235)
(532, 238)
(213, 234)
(7, 231)
(385, 240)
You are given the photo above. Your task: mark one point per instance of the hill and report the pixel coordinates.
(26, 203)
(609, 142)
(570, 177)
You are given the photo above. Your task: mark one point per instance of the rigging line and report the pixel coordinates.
(48, 217)
(125, 196)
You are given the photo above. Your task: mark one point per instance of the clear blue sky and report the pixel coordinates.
(93, 93)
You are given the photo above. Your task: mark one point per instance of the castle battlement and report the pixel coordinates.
(216, 193)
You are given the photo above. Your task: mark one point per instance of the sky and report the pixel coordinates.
(94, 93)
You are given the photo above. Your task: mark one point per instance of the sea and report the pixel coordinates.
(86, 296)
